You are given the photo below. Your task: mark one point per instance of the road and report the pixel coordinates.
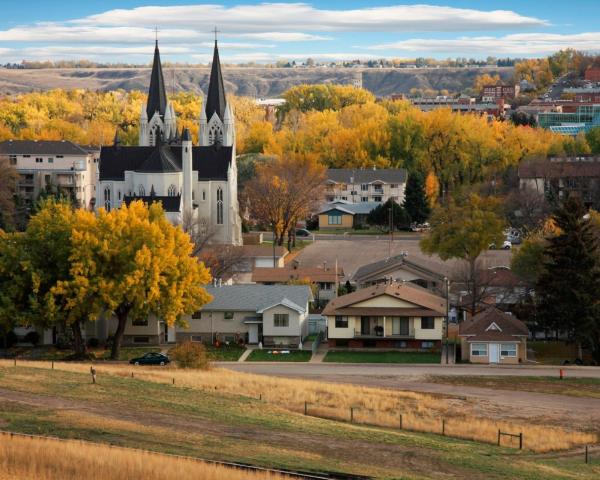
(415, 237)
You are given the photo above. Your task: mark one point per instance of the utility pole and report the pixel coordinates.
(274, 245)
(447, 313)
(390, 235)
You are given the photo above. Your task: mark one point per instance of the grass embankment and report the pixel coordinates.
(23, 458)
(277, 356)
(553, 352)
(340, 356)
(204, 415)
(575, 387)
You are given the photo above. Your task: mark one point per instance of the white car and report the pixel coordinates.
(507, 245)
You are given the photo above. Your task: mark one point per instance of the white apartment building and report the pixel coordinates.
(53, 165)
(365, 185)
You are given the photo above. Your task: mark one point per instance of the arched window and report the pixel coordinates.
(219, 206)
(119, 194)
(142, 191)
(107, 199)
(151, 137)
(171, 192)
(215, 134)
(203, 195)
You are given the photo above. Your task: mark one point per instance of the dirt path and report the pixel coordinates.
(405, 459)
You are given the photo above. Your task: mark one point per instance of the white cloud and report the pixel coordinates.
(516, 44)
(284, 36)
(302, 16)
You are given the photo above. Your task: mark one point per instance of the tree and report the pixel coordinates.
(463, 229)
(593, 139)
(568, 288)
(528, 261)
(8, 183)
(415, 200)
(132, 262)
(285, 190)
(380, 216)
(485, 80)
(432, 188)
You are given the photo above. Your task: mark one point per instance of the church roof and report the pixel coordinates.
(215, 100)
(169, 204)
(211, 162)
(157, 96)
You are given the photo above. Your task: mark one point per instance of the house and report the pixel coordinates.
(492, 336)
(193, 182)
(271, 314)
(323, 279)
(365, 185)
(427, 274)
(52, 165)
(392, 315)
(342, 214)
(497, 92)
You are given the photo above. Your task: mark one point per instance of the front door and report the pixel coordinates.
(253, 333)
(364, 325)
(494, 353)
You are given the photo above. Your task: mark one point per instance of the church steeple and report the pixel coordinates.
(157, 96)
(215, 100)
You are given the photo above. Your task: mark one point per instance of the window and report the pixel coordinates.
(140, 322)
(364, 199)
(60, 156)
(196, 338)
(119, 194)
(364, 187)
(141, 190)
(334, 219)
(377, 199)
(228, 315)
(341, 321)
(203, 195)
(107, 199)
(12, 159)
(141, 339)
(197, 315)
(39, 160)
(50, 160)
(427, 344)
(400, 325)
(325, 286)
(427, 323)
(171, 192)
(215, 134)
(281, 320)
(219, 206)
(26, 156)
(508, 350)
(394, 185)
(479, 350)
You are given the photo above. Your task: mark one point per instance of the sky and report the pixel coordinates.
(249, 31)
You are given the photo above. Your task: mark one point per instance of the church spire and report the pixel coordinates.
(157, 97)
(215, 100)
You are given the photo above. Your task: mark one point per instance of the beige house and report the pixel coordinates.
(395, 315)
(493, 336)
(344, 215)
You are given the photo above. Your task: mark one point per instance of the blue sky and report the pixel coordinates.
(113, 31)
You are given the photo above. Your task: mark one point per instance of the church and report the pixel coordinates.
(195, 183)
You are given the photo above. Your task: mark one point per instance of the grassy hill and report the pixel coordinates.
(258, 82)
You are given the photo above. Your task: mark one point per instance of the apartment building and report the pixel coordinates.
(365, 185)
(53, 165)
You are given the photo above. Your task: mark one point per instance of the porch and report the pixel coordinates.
(389, 327)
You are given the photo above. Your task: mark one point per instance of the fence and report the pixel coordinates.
(316, 324)
(317, 342)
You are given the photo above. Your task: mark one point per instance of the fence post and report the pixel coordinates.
(351, 414)
(173, 380)
(521, 441)
(305, 408)
(586, 455)
(52, 364)
(15, 361)
(131, 374)
(498, 437)
(400, 421)
(260, 396)
(443, 426)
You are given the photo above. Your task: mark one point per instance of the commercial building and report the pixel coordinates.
(497, 92)
(584, 118)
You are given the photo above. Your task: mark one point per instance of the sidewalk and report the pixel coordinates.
(319, 355)
(245, 355)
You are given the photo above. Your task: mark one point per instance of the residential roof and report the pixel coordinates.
(350, 208)
(169, 204)
(558, 167)
(390, 264)
(360, 175)
(215, 100)
(255, 298)
(157, 97)
(482, 327)
(280, 275)
(40, 147)
(406, 291)
(263, 251)
(211, 162)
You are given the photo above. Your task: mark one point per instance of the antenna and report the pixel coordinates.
(215, 31)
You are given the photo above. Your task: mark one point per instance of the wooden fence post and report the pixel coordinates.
(305, 408)
(173, 380)
(131, 374)
(443, 427)
(586, 455)
(260, 396)
(498, 437)
(351, 414)
(52, 364)
(400, 421)
(521, 441)
(15, 361)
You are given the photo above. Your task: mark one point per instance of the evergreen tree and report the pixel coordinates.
(380, 216)
(415, 200)
(568, 288)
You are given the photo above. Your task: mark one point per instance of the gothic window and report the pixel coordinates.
(203, 195)
(172, 191)
(151, 137)
(107, 199)
(142, 191)
(215, 134)
(219, 206)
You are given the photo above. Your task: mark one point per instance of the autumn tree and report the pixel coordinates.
(463, 229)
(324, 97)
(132, 262)
(387, 213)
(8, 183)
(285, 190)
(485, 80)
(415, 200)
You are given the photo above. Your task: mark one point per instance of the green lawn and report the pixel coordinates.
(268, 356)
(53, 353)
(225, 353)
(340, 356)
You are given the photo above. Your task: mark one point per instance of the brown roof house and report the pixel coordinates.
(493, 336)
(393, 315)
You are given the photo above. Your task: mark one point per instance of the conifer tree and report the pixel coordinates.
(568, 288)
(415, 200)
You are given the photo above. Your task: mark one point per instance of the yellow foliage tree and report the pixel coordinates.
(432, 188)
(485, 80)
(133, 262)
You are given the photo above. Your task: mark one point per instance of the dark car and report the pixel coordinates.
(302, 232)
(151, 358)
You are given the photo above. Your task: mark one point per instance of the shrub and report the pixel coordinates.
(11, 338)
(190, 355)
(33, 338)
(93, 342)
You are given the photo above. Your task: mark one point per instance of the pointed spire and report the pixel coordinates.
(117, 140)
(157, 97)
(215, 100)
(186, 137)
(152, 192)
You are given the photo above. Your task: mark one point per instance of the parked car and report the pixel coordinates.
(151, 358)
(302, 232)
(505, 246)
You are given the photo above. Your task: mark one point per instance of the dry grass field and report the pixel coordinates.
(23, 458)
(372, 406)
